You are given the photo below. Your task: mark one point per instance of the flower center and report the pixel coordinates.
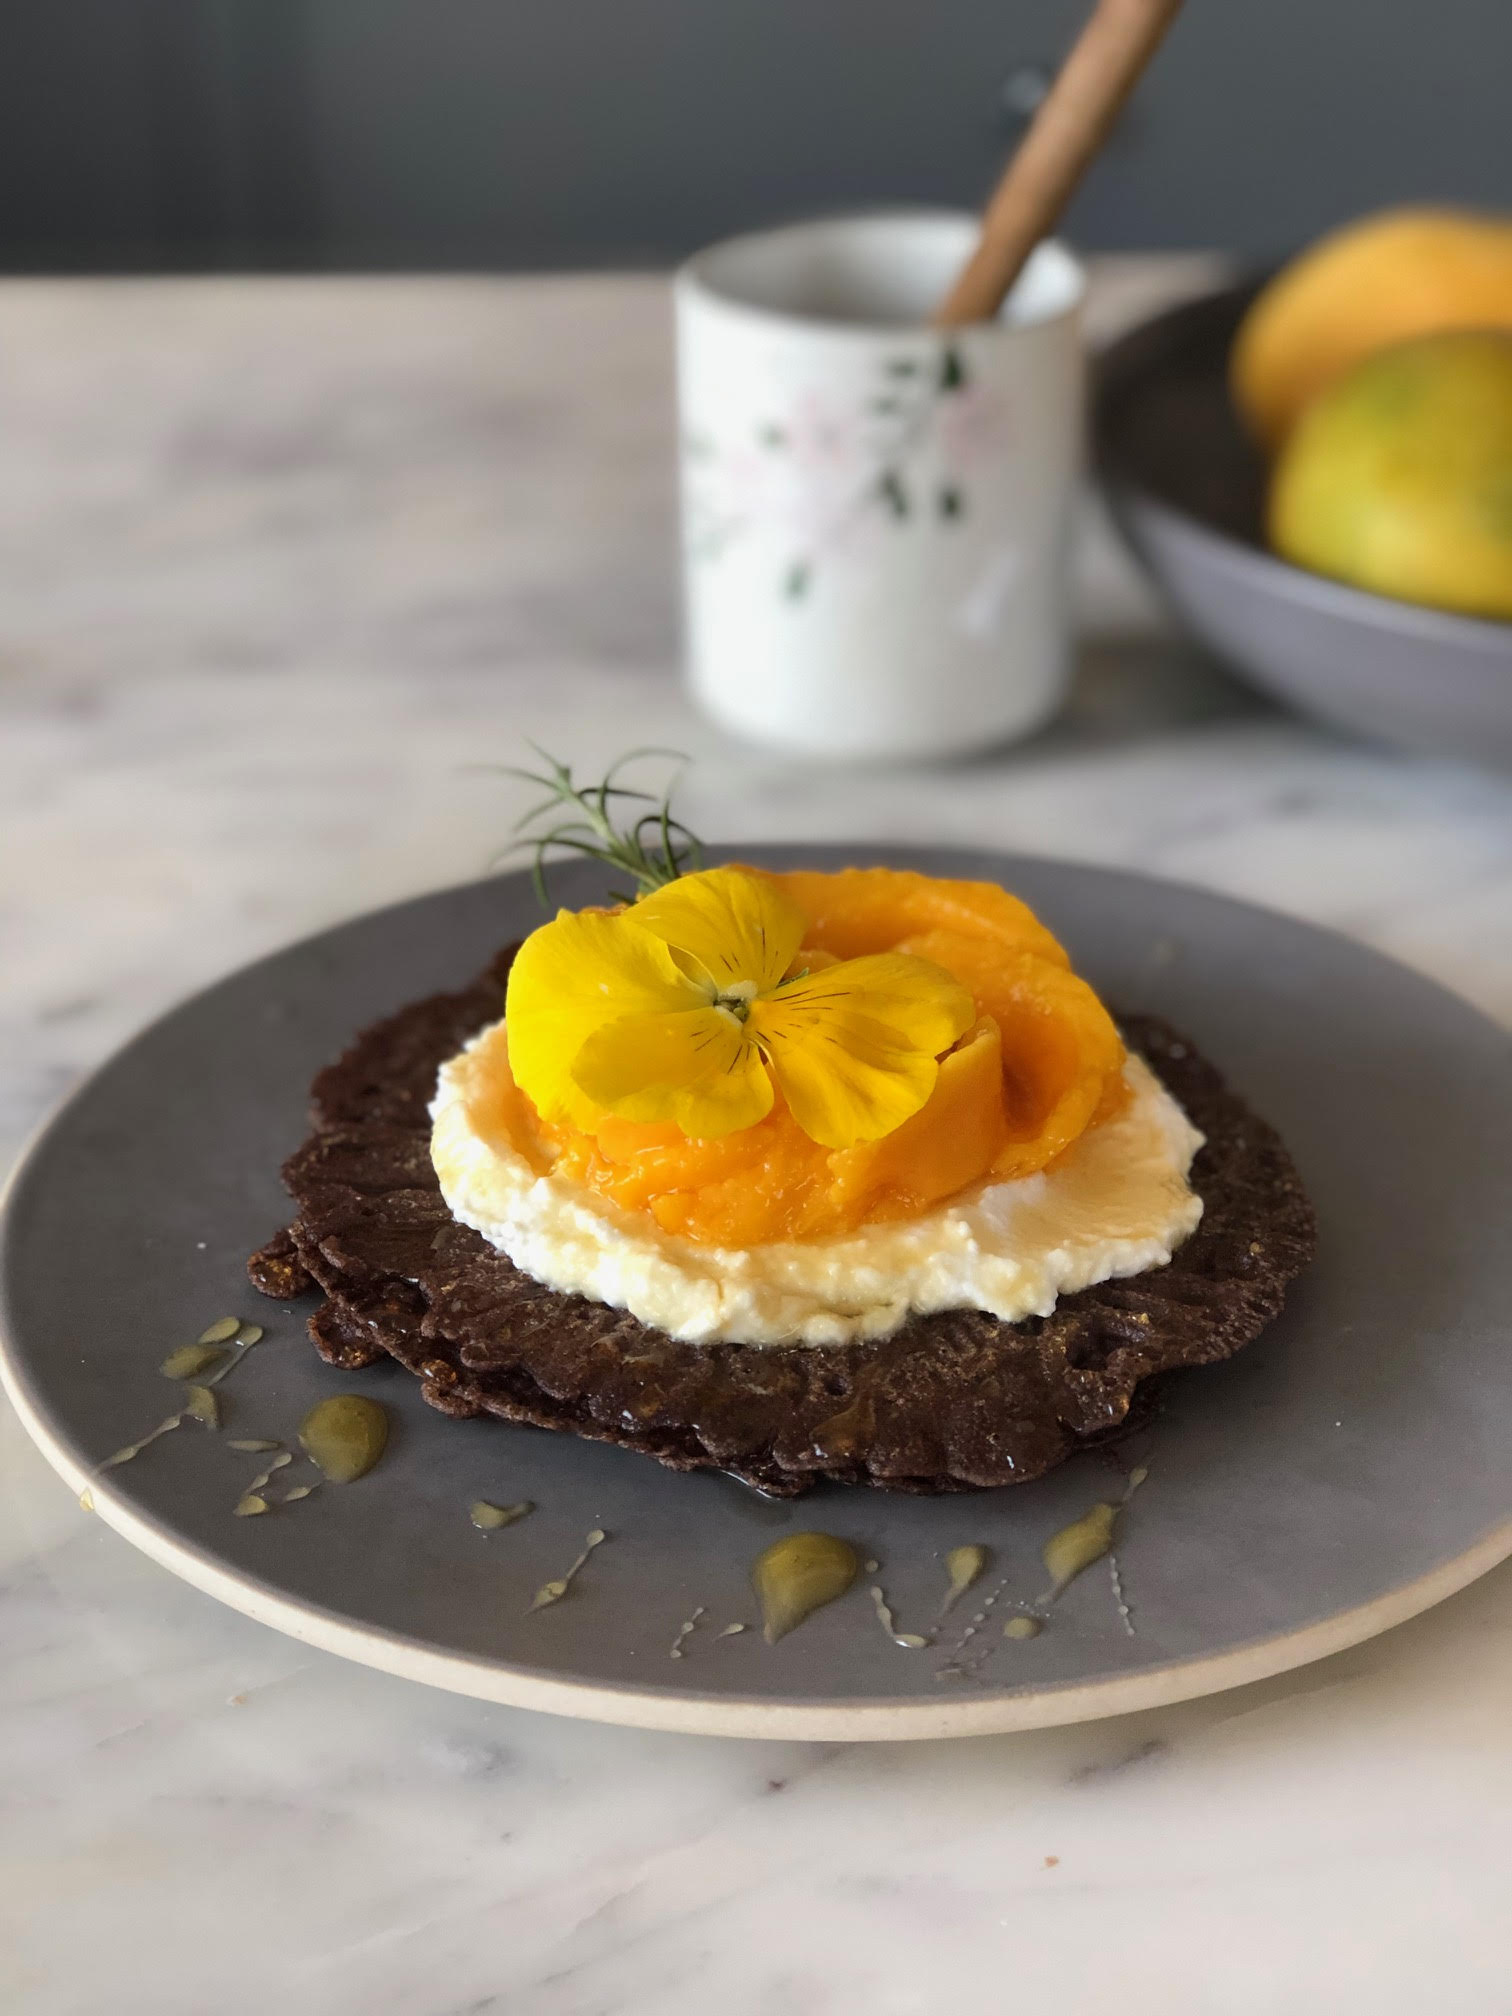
(736, 999)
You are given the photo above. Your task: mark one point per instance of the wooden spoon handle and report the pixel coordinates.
(1071, 125)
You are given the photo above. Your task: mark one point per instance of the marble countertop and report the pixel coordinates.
(281, 563)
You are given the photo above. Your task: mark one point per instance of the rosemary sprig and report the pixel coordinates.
(653, 849)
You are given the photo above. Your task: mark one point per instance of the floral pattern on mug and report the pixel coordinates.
(836, 476)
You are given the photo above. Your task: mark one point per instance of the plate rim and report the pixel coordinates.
(674, 1710)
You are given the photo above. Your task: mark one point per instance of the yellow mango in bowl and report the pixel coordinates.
(1399, 274)
(1398, 478)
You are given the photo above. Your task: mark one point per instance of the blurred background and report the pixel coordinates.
(184, 135)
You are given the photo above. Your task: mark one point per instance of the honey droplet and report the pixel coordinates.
(1075, 1547)
(190, 1360)
(344, 1436)
(86, 1501)
(201, 1402)
(554, 1591)
(489, 1518)
(847, 1431)
(685, 1631)
(798, 1575)
(248, 1334)
(252, 1446)
(134, 1449)
(911, 1641)
(1023, 1627)
(963, 1566)
(221, 1331)
(250, 1506)
(279, 1462)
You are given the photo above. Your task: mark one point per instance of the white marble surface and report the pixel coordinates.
(278, 562)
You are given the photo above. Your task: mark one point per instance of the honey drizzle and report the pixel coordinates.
(685, 1631)
(911, 1641)
(553, 1592)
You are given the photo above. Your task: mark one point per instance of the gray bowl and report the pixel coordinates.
(1187, 488)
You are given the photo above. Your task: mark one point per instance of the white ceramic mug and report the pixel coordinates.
(876, 515)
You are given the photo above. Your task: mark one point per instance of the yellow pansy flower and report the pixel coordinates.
(679, 1009)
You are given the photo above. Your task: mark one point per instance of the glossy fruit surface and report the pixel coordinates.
(1400, 274)
(1039, 1065)
(1399, 478)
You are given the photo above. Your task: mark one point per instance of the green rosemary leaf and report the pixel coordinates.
(585, 824)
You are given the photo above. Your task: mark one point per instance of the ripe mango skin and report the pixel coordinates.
(1398, 478)
(1398, 274)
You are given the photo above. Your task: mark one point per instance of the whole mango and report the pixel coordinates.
(1398, 478)
(1398, 274)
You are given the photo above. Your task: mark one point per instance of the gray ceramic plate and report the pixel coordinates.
(1345, 1472)
(1187, 489)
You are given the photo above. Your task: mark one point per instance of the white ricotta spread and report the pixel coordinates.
(1117, 1202)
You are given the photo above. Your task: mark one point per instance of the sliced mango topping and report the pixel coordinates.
(1035, 1063)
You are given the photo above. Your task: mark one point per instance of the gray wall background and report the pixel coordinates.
(184, 134)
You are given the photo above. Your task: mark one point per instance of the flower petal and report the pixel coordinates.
(846, 1078)
(737, 926)
(854, 1047)
(915, 998)
(698, 1069)
(570, 977)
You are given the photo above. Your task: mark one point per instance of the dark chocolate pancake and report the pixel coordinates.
(950, 1402)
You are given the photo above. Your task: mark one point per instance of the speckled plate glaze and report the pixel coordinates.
(1342, 1474)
